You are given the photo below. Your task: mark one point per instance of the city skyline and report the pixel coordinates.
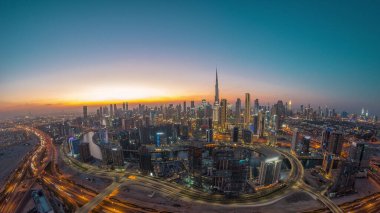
(317, 53)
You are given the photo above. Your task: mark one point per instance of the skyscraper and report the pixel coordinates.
(223, 114)
(261, 125)
(294, 139)
(216, 101)
(305, 145)
(335, 143)
(237, 110)
(84, 112)
(360, 153)
(256, 106)
(247, 113)
(184, 108)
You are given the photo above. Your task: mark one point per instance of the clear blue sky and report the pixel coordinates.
(317, 52)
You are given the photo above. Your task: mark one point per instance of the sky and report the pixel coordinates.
(56, 54)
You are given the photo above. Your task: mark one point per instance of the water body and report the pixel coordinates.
(94, 148)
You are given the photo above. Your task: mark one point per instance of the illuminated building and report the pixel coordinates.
(223, 114)
(158, 138)
(215, 114)
(345, 180)
(103, 135)
(145, 161)
(84, 112)
(74, 146)
(209, 135)
(261, 125)
(325, 138)
(247, 109)
(235, 134)
(272, 138)
(294, 139)
(247, 136)
(255, 124)
(111, 110)
(305, 145)
(237, 110)
(84, 152)
(328, 162)
(216, 101)
(360, 153)
(270, 168)
(112, 154)
(335, 143)
(256, 106)
(230, 173)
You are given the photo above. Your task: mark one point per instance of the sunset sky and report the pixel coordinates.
(55, 54)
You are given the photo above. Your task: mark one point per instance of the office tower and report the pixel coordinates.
(111, 110)
(112, 154)
(114, 109)
(103, 135)
(145, 161)
(325, 138)
(117, 156)
(101, 111)
(126, 106)
(184, 108)
(290, 107)
(270, 168)
(261, 125)
(335, 143)
(229, 173)
(255, 124)
(209, 135)
(247, 110)
(216, 114)
(74, 146)
(235, 134)
(192, 105)
(84, 152)
(360, 153)
(305, 145)
(345, 180)
(247, 135)
(328, 162)
(85, 112)
(223, 113)
(195, 160)
(158, 139)
(256, 106)
(237, 110)
(294, 139)
(216, 101)
(272, 138)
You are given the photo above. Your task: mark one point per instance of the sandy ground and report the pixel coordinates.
(364, 187)
(297, 202)
(10, 157)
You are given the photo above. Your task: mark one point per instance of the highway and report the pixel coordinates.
(85, 200)
(27, 173)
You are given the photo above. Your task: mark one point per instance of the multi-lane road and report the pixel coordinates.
(83, 199)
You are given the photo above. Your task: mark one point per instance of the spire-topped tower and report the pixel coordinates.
(216, 89)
